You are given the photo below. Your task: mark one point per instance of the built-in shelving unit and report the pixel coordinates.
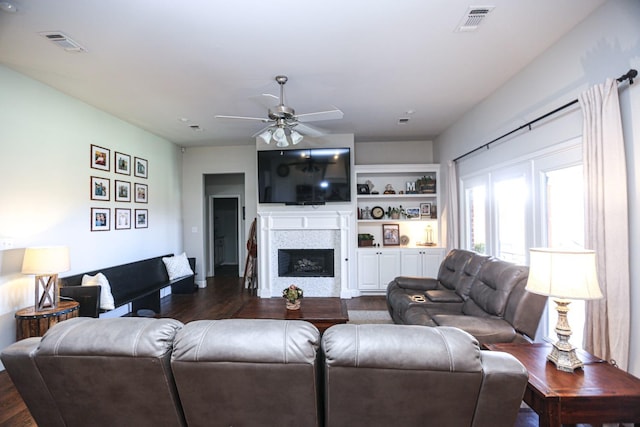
(415, 244)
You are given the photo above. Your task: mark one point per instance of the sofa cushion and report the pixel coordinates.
(452, 267)
(177, 266)
(401, 347)
(106, 297)
(469, 273)
(487, 330)
(492, 286)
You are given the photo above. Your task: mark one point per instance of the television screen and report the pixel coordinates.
(311, 176)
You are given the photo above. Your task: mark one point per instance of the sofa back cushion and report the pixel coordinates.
(251, 372)
(108, 371)
(369, 370)
(492, 287)
(452, 267)
(469, 273)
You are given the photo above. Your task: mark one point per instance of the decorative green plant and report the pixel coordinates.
(399, 211)
(292, 293)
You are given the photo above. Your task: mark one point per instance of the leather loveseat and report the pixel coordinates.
(482, 295)
(248, 372)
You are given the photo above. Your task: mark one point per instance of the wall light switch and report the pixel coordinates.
(194, 229)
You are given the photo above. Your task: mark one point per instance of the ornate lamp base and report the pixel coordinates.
(563, 354)
(46, 292)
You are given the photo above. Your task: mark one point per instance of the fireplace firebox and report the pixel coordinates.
(305, 263)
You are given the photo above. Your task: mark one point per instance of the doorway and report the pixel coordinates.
(224, 237)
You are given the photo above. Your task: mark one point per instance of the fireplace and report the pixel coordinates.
(305, 263)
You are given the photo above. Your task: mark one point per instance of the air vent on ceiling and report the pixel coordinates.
(472, 19)
(63, 41)
(403, 120)
(196, 128)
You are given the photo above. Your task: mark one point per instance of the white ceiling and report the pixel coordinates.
(152, 62)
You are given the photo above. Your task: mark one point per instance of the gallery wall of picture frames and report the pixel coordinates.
(125, 186)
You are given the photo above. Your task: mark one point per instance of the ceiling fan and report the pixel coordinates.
(285, 126)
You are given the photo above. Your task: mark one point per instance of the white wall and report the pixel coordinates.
(605, 45)
(201, 161)
(394, 152)
(45, 139)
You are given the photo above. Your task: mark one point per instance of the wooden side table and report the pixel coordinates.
(32, 323)
(599, 393)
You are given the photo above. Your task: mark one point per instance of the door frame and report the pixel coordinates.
(211, 233)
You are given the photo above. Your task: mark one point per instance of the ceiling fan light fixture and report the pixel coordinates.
(266, 136)
(280, 137)
(295, 137)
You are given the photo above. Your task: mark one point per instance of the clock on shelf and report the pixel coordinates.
(377, 212)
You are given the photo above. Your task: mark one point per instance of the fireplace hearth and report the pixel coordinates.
(305, 263)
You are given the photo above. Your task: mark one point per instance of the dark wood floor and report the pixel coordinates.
(222, 297)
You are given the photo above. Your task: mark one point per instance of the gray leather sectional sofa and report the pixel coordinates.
(482, 295)
(246, 372)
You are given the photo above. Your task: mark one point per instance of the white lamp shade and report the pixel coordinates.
(266, 136)
(566, 274)
(45, 260)
(295, 137)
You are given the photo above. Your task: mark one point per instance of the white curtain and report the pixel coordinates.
(606, 218)
(453, 225)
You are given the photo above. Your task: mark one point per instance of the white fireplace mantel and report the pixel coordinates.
(304, 230)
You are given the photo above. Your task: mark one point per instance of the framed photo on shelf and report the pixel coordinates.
(122, 219)
(141, 218)
(390, 234)
(122, 163)
(122, 191)
(100, 219)
(140, 167)
(413, 213)
(425, 210)
(100, 188)
(100, 158)
(140, 191)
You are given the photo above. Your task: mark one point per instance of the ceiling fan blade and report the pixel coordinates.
(309, 130)
(263, 120)
(320, 115)
(266, 100)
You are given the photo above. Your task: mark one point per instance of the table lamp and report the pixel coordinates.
(46, 263)
(563, 275)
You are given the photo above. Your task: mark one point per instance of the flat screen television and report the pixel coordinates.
(304, 176)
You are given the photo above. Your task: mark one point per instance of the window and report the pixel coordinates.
(564, 211)
(504, 212)
(477, 218)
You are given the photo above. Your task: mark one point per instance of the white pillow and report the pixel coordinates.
(106, 298)
(177, 266)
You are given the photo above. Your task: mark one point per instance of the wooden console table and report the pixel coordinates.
(32, 323)
(599, 393)
(321, 312)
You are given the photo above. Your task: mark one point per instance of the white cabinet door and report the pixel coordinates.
(376, 268)
(368, 277)
(389, 267)
(431, 261)
(411, 262)
(421, 262)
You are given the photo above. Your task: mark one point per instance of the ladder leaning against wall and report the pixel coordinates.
(250, 280)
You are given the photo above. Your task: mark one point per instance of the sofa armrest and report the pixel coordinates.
(503, 386)
(20, 363)
(416, 283)
(87, 296)
(439, 295)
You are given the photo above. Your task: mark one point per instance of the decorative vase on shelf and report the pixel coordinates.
(292, 295)
(295, 305)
